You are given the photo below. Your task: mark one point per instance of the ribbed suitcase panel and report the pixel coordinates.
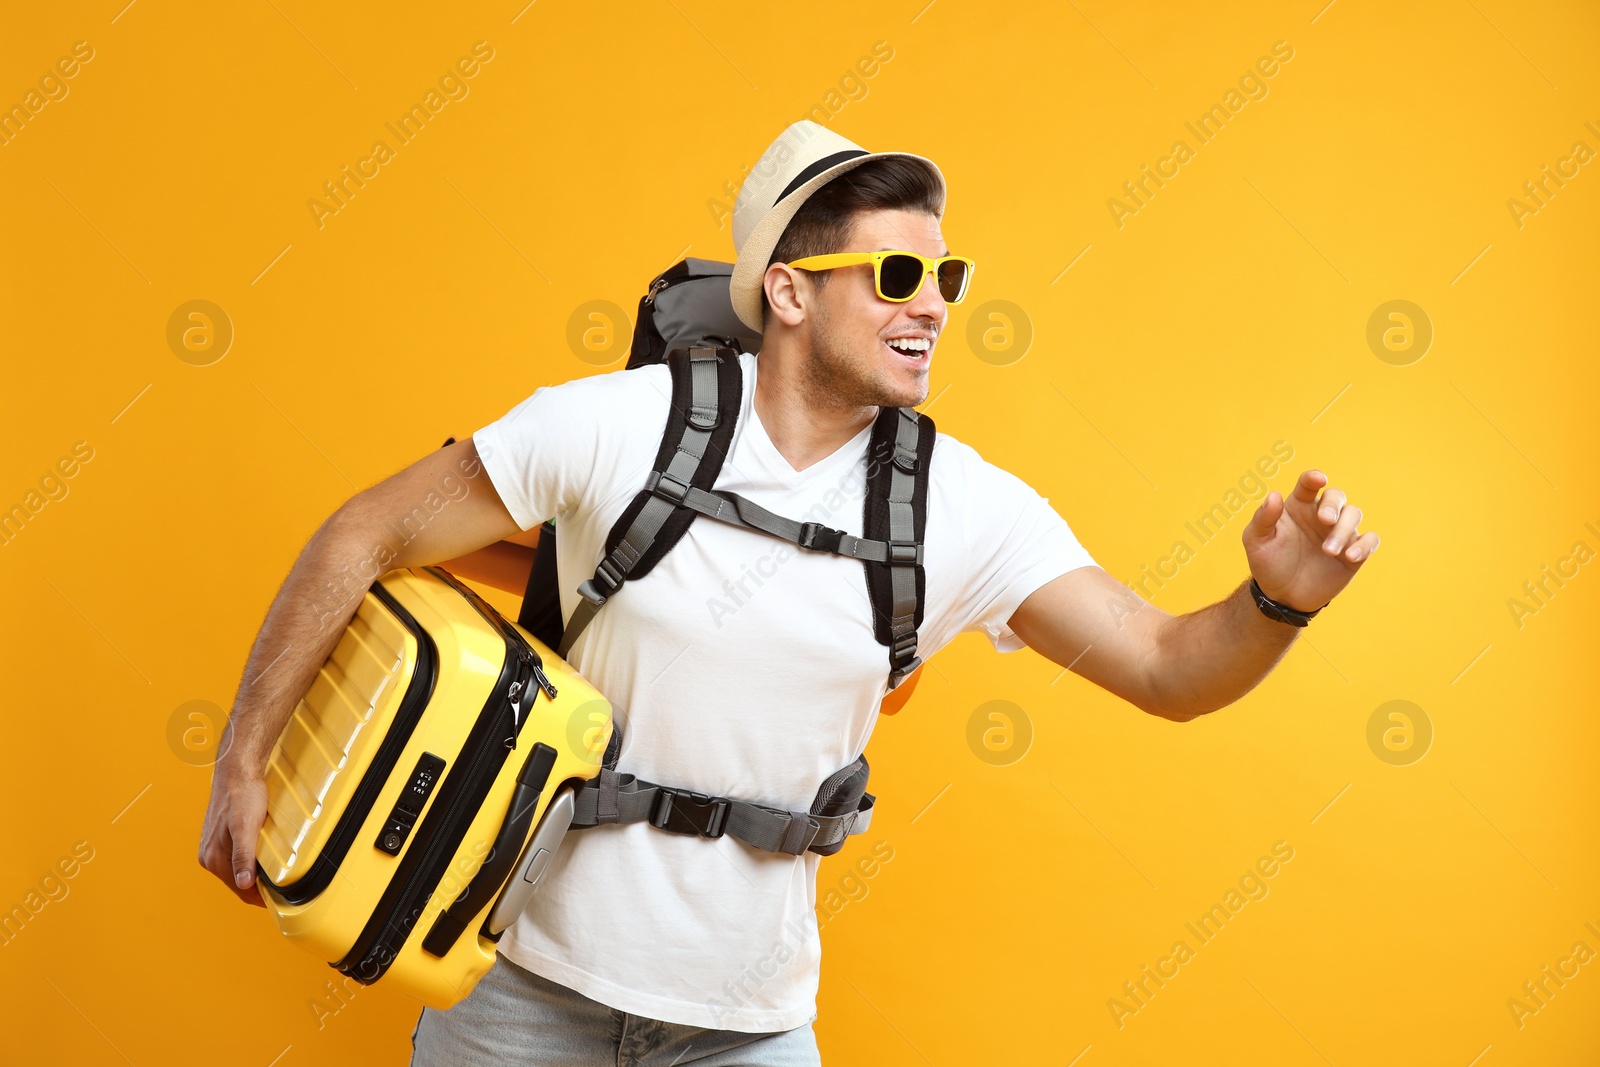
(367, 671)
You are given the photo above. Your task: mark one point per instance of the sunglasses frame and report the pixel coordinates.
(846, 259)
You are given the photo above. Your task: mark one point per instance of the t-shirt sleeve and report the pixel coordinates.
(1018, 542)
(550, 456)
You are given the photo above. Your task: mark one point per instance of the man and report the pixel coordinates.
(739, 666)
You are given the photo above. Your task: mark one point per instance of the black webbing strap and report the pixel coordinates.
(896, 506)
(540, 613)
(623, 798)
(695, 421)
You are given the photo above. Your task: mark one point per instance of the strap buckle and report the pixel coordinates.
(681, 811)
(819, 538)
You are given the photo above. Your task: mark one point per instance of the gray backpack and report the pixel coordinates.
(686, 320)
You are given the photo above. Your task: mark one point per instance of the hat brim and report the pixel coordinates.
(750, 269)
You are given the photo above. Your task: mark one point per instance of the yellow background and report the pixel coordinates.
(1228, 314)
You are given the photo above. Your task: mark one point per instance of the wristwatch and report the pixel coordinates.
(1280, 612)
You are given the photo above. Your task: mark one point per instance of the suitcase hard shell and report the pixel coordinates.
(411, 777)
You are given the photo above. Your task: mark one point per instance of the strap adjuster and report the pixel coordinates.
(665, 485)
(608, 578)
(904, 552)
(900, 675)
(681, 811)
(905, 643)
(610, 574)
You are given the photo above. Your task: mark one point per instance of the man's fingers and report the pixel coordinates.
(244, 870)
(1266, 516)
(1306, 486)
(1362, 547)
(244, 827)
(244, 865)
(246, 815)
(1344, 531)
(1328, 507)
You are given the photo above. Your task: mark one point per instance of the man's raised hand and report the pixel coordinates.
(1303, 550)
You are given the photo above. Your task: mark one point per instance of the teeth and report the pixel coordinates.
(911, 344)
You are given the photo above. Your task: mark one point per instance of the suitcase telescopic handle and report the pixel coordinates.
(487, 883)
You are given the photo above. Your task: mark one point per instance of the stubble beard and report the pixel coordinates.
(837, 377)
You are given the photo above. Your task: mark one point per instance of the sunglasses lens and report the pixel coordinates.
(900, 277)
(952, 280)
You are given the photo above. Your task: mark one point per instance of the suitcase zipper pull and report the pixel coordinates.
(544, 682)
(519, 688)
(514, 697)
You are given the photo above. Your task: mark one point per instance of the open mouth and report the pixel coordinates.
(915, 357)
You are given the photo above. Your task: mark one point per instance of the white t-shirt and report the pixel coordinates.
(740, 666)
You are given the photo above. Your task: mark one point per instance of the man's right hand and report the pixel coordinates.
(301, 631)
(233, 823)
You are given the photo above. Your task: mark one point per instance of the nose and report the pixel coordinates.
(929, 303)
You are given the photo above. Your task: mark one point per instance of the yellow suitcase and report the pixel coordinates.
(417, 793)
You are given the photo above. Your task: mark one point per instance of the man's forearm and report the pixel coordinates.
(307, 617)
(1209, 658)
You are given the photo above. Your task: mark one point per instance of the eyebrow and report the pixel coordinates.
(946, 252)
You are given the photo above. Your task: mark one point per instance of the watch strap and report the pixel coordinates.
(1279, 612)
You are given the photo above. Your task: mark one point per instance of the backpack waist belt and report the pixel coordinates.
(623, 798)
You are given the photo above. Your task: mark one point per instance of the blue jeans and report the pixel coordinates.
(513, 1016)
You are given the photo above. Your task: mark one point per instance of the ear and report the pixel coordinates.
(788, 292)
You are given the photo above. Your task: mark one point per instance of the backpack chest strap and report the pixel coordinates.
(737, 510)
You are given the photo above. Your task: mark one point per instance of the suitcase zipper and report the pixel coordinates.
(390, 926)
(425, 877)
(513, 637)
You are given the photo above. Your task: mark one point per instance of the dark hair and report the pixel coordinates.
(826, 221)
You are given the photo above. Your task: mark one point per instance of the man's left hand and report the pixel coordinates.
(1303, 550)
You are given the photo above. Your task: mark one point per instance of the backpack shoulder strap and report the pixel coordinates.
(707, 392)
(540, 613)
(896, 511)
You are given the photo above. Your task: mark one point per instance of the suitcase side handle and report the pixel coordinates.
(487, 883)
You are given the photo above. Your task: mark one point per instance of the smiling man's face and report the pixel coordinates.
(851, 361)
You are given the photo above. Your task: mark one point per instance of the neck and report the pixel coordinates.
(805, 422)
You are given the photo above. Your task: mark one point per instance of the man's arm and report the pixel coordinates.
(1301, 550)
(355, 545)
(1176, 667)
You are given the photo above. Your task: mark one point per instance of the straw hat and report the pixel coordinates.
(803, 159)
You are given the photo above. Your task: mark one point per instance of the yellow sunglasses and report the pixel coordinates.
(898, 275)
